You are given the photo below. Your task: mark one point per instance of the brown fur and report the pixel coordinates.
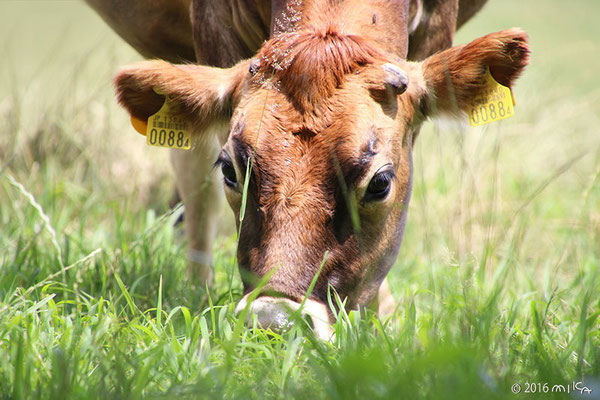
(236, 28)
(309, 66)
(202, 93)
(456, 74)
(316, 122)
(436, 21)
(156, 28)
(188, 30)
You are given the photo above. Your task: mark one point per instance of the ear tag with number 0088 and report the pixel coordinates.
(495, 103)
(165, 128)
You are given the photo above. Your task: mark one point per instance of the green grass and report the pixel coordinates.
(497, 281)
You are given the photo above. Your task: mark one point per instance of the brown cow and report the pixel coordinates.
(193, 30)
(321, 122)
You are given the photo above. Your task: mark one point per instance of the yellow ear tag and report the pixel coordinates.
(166, 129)
(496, 102)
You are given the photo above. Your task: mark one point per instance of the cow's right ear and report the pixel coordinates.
(200, 94)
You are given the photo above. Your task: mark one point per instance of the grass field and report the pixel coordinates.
(497, 281)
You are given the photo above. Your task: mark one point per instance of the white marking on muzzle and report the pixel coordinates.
(274, 313)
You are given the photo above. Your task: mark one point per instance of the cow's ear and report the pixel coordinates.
(452, 78)
(198, 93)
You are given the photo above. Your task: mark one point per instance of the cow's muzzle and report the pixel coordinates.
(274, 313)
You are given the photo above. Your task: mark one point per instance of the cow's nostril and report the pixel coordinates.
(275, 316)
(270, 312)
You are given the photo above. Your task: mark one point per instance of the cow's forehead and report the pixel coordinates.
(267, 120)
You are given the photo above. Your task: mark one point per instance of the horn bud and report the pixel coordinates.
(254, 66)
(396, 77)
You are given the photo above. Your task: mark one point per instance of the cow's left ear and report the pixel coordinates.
(200, 94)
(452, 78)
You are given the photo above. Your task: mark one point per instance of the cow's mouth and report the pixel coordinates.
(275, 312)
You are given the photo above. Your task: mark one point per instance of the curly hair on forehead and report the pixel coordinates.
(308, 65)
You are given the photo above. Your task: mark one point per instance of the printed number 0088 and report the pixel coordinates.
(163, 138)
(489, 112)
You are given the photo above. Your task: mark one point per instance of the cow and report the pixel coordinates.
(315, 108)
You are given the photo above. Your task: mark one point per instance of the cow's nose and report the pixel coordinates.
(274, 313)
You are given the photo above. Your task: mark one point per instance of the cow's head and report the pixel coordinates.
(321, 134)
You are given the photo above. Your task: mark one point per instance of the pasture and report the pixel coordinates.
(497, 281)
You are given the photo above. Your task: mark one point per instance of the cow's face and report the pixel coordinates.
(329, 174)
(320, 151)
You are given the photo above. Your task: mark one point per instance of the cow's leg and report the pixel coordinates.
(201, 192)
(384, 302)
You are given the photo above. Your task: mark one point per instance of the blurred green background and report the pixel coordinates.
(497, 279)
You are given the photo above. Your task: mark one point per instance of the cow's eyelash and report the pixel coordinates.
(218, 163)
(223, 158)
(388, 170)
(389, 174)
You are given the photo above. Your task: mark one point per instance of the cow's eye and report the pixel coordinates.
(229, 176)
(380, 184)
